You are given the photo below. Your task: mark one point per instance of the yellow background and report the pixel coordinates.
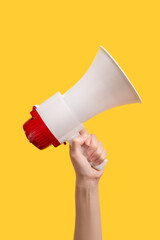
(47, 46)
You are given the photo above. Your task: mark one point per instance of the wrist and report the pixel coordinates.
(85, 182)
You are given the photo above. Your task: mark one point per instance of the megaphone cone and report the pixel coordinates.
(103, 86)
(60, 118)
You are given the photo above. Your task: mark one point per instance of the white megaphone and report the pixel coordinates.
(59, 119)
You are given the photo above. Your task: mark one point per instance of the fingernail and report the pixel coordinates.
(93, 158)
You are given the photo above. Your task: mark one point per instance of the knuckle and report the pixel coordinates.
(101, 159)
(93, 137)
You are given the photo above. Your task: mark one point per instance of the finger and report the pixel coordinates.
(97, 154)
(77, 142)
(88, 140)
(93, 144)
(99, 160)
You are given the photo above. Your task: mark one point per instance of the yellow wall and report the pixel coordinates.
(46, 47)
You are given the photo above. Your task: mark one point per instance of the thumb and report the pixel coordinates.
(84, 131)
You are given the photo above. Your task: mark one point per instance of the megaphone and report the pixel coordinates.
(61, 117)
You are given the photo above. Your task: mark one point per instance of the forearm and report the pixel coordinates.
(88, 219)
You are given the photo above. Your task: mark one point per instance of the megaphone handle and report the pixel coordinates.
(83, 149)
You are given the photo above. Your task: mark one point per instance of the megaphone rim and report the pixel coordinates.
(114, 61)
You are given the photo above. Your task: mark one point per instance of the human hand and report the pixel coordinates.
(95, 152)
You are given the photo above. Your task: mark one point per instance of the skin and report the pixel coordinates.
(88, 219)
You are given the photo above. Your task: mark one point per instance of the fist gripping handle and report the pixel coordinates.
(83, 149)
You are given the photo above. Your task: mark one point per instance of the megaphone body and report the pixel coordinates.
(61, 117)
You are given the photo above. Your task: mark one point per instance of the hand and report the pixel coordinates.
(95, 152)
